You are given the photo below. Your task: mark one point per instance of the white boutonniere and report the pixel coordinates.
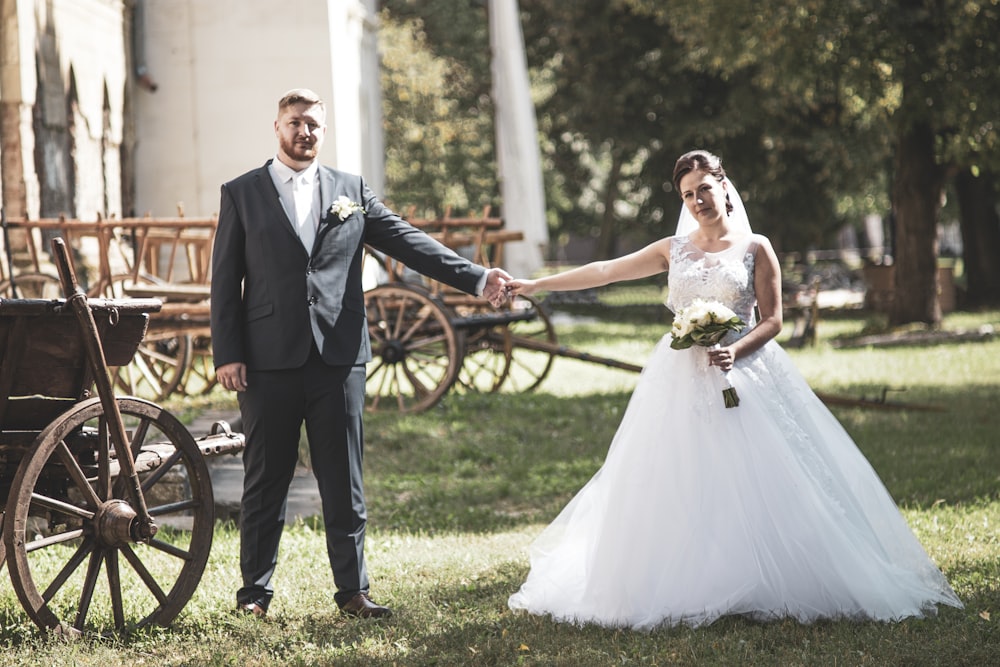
(345, 208)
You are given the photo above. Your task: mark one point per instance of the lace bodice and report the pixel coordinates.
(725, 276)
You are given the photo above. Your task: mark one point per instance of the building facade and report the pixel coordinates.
(121, 108)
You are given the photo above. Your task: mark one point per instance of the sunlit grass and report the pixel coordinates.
(456, 495)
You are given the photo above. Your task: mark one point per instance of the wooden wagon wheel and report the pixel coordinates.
(416, 351)
(32, 286)
(157, 370)
(200, 377)
(516, 352)
(532, 347)
(487, 359)
(69, 515)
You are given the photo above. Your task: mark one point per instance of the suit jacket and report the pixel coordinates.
(271, 298)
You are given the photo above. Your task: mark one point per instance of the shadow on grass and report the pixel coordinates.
(480, 463)
(462, 624)
(521, 638)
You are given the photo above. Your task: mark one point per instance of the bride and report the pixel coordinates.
(766, 509)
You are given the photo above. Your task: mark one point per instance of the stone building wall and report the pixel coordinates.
(63, 74)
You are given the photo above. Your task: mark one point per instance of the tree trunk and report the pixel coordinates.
(916, 194)
(977, 205)
(607, 242)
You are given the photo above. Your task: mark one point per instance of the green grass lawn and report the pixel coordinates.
(456, 495)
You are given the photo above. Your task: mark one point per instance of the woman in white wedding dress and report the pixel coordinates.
(768, 509)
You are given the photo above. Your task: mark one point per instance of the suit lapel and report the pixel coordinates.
(265, 186)
(327, 187)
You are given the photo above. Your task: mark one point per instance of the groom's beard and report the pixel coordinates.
(301, 150)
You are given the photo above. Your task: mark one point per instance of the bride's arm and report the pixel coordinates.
(653, 259)
(767, 285)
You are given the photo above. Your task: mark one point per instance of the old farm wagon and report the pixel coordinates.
(428, 339)
(95, 481)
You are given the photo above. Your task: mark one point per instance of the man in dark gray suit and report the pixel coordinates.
(289, 334)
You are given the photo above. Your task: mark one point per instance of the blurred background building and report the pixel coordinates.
(117, 108)
(123, 108)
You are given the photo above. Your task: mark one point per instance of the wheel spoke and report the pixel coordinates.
(383, 371)
(77, 475)
(419, 388)
(139, 436)
(426, 341)
(416, 326)
(147, 374)
(41, 543)
(382, 317)
(115, 587)
(400, 320)
(87, 592)
(68, 569)
(144, 574)
(484, 363)
(124, 380)
(160, 471)
(396, 389)
(138, 440)
(168, 548)
(378, 365)
(57, 505)
(149, 351)
(104, 460)
(173, 508)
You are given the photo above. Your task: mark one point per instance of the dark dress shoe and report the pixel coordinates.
(362, 606)
(253, 608)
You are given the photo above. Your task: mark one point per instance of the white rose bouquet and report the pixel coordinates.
(344, 208)
(704, 323)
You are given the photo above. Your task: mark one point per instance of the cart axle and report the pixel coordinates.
(117, 525)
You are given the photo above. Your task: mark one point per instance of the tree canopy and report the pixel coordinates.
(921, 74)
(822, 112)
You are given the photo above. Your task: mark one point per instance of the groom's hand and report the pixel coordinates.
(232, 376)
(494, 290)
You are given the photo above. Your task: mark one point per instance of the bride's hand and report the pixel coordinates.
(521, 286)
(722, 357)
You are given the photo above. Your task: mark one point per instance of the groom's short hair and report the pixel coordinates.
(300, 96)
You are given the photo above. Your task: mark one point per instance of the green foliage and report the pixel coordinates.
(804, 100)
(438, 126)
(601, 128)
(842, 79)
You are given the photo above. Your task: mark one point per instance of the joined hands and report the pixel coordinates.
(517, 286)
(495, 290)
(500, 287)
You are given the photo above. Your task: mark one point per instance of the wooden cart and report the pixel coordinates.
(94, 481)
(428, 339)
(163, 258)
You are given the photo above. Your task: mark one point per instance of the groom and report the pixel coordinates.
(289, 334)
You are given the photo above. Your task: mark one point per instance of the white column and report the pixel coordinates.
(517, 141)
(354, 118)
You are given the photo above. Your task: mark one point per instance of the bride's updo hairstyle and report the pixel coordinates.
(700, 161)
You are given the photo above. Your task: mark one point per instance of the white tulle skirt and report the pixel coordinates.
(767, 510)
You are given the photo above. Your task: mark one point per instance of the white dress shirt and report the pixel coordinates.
(298, 192)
